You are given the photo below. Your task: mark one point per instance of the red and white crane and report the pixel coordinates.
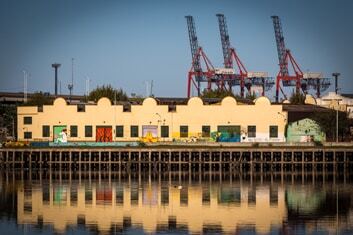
(301, 81)
(235, 73)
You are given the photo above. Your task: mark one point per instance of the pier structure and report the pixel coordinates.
(193, 159)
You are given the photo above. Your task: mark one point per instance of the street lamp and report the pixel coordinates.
(337, 99)
(13, 127)
(336, 81)
(159, 120)
(25, 85)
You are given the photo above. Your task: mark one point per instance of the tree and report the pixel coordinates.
(327, 122)
(109, 92)
(297, 98)
(218, 93)
(39, 99)
(8, 119)
(250, 96)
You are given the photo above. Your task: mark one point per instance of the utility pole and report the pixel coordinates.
(56, 66)
(337, 99)
(71, 86)
(25, 76)
(336, 81)
(87, 85)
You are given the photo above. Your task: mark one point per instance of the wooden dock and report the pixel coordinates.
(194, 159)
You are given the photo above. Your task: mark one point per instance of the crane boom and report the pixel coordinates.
(194, 44)
(281, 48)
(228, 63)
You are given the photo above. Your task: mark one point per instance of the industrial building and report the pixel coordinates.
(225, 121)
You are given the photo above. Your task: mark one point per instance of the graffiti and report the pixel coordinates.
(223, 136)
(305, 130)
(149, 134)
(60, 134)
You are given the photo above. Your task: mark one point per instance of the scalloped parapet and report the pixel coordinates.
(149, 101)
(195, 101)
(263, 100)
(104, 101)
(229, 101)
(59, 102)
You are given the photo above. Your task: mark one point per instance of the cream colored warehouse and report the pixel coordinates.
(259, 122)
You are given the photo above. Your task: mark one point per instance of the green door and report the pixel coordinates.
(57, 131)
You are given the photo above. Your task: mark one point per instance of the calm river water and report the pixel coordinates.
(175, 203)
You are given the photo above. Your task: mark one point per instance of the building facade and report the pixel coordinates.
(342, 102)
(226, 121)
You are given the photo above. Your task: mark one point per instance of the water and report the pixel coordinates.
(175, 203)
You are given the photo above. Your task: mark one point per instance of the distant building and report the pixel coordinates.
(344, 102)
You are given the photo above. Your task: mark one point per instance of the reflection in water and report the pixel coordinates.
(177, 202)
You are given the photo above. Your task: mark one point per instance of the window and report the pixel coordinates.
(127, 108)
(171, 108)
(40, 109)
(88, 131)
(273, 131)
(73, 131)
(164, 131)
(27, 135)
(27, 120)
(45, 131)
(184, 131)
(134, 131)
(206, 131)
(81, 108)
(119, 131)
(251, 131)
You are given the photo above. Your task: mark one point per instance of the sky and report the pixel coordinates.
(127, 43)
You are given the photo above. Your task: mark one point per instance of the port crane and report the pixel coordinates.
(234, 72)
(196, 74)
(301, 81)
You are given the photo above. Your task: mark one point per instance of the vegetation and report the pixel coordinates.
(327, 122)
(109, 92)
(250, 96)
(39, 99)
(8, 119)
(218, 93)
(297, 98)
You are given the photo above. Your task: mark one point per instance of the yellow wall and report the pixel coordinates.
(194, 115)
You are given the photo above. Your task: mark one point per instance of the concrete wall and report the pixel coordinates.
(195, 114)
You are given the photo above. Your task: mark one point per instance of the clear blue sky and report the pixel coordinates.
(127, 42)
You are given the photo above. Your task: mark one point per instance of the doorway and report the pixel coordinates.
(104, 134)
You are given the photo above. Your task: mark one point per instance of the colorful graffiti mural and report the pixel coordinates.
(149, 133)
(60, 134)
(226, 134)
(305, 130)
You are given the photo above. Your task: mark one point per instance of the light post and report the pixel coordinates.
(159, 120)
(13, 127)
(337, 99)
(284, 121)
(336, 81)
(25, 78)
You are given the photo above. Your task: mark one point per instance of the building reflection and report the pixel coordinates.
(163, 206)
